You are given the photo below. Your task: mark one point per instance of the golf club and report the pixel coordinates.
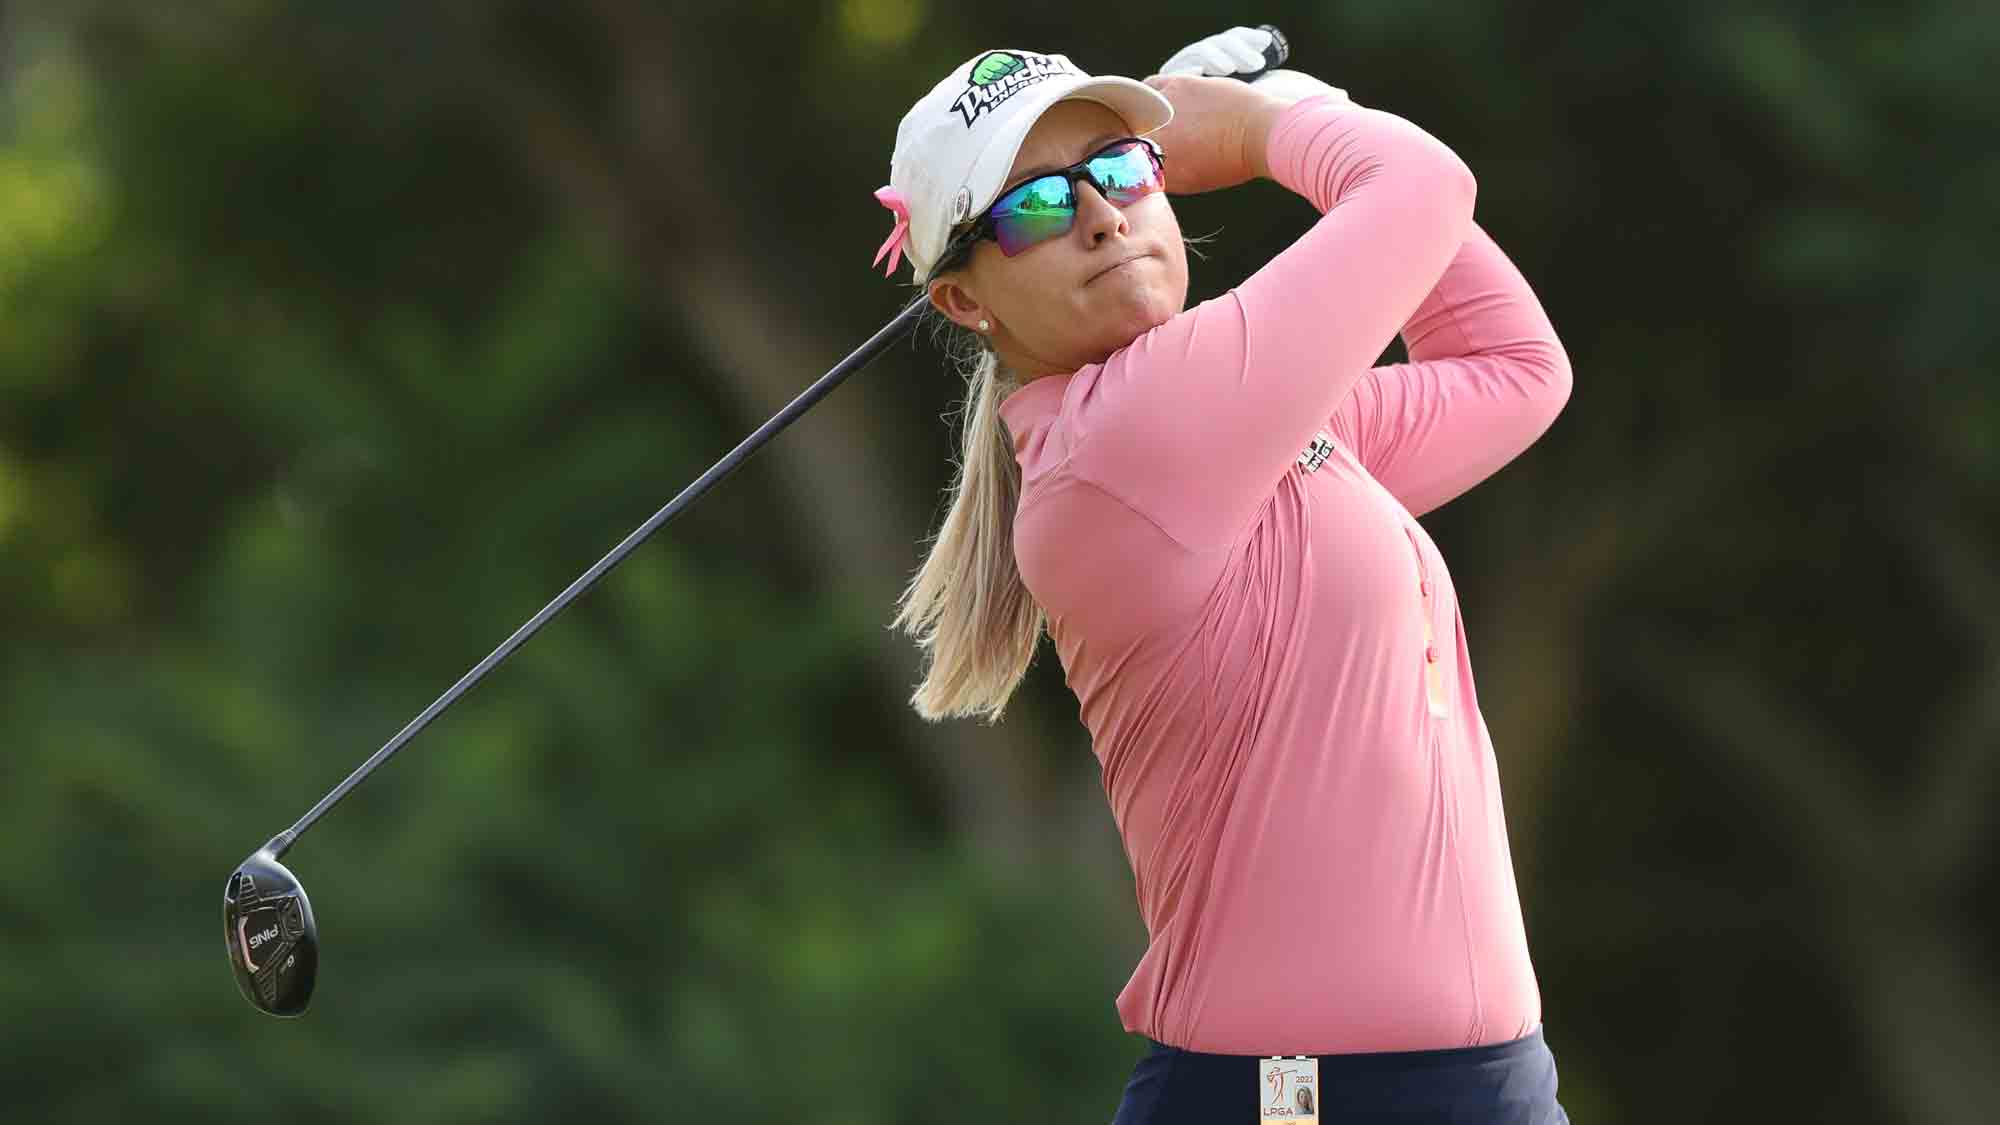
(267, 920)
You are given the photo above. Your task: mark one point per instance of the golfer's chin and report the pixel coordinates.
(1130, 310)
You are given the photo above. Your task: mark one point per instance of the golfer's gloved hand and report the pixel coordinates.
(1240, 50)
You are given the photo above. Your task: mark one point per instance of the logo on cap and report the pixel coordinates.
(999, 75)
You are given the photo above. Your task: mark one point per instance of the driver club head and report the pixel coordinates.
(268, 927)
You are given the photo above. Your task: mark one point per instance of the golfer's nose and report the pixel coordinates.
(1096, 217)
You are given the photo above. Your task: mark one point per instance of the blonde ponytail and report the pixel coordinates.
(967, 607)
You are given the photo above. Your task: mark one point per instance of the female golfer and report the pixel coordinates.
(1214, 512)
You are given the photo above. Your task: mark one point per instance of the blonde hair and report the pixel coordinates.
(967, 606)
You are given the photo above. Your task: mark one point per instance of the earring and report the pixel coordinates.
(984, 326)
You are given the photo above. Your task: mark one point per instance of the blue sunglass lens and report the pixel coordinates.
(1039, 209)
(1127, 174)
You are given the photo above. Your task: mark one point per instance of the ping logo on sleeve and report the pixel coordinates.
(1316, 454)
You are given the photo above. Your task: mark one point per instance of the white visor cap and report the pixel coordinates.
(955, 147)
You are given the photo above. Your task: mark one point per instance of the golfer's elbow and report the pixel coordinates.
(1545, 369)
(1448, 189)
(1461, 190)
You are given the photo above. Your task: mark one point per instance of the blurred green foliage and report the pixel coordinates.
(335, 340)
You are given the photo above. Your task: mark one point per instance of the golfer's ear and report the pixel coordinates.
(955, 302)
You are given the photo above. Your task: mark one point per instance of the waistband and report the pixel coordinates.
(1381, 1062)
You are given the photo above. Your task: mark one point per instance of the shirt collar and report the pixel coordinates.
(1030, 405)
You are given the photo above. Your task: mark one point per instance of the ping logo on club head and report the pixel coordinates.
(263, 935)
(999, 75)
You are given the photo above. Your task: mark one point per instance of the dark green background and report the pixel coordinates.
(336, 338)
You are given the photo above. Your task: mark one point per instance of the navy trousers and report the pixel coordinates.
(1511, 1083)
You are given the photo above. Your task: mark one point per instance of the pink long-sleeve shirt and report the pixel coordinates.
(1220, 521)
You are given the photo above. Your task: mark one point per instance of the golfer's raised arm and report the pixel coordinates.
(1486, 377)
(1197, 420)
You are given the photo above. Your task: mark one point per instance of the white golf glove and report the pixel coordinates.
(1240, 50)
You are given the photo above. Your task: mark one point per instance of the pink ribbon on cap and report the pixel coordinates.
(899, 237)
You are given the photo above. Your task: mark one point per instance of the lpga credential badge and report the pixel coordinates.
(1288, 1089)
